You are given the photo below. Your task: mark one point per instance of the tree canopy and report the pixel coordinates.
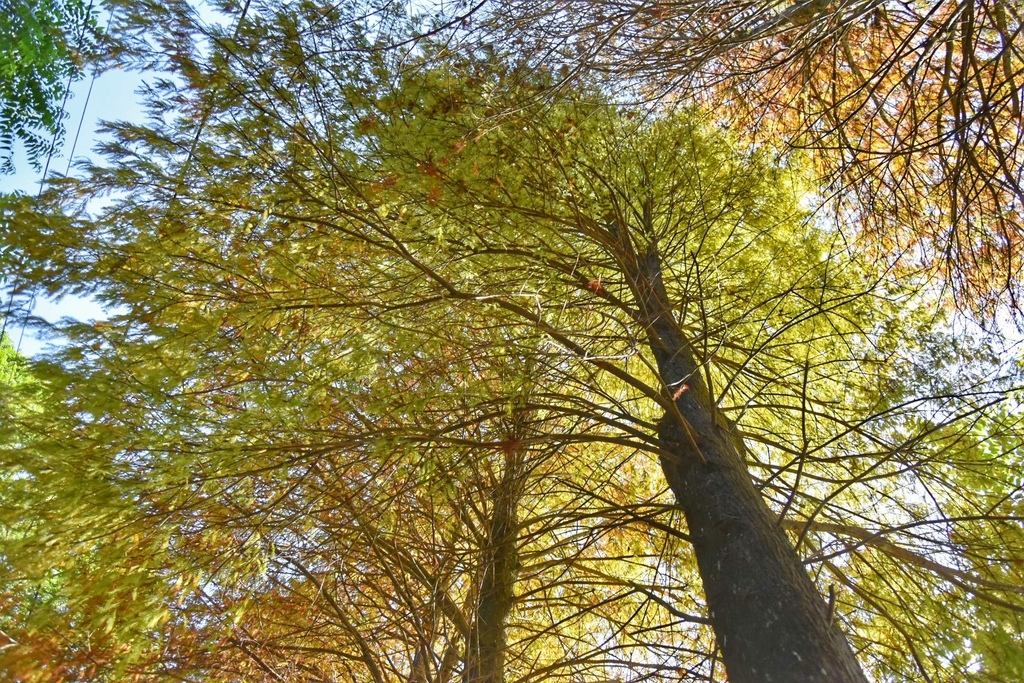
(911, 111)
(422, 368)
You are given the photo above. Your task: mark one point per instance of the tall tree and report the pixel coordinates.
(379, 328)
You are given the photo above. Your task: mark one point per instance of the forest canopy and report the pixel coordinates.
(430, 362)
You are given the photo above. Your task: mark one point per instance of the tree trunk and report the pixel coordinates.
(771, 623)
(485, 654)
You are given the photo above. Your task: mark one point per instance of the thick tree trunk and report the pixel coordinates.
(485, 655)
(771, 623)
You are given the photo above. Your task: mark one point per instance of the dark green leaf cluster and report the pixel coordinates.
(47, 45)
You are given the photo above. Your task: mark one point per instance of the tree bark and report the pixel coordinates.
(771, 623)
(485, 654)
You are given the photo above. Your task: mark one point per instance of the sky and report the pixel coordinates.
(112, 97)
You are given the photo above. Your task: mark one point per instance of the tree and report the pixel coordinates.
(49, 42)
(397, 365)
(911, 111)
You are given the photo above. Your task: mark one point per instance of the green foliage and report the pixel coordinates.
(47, 44)
(377, 297)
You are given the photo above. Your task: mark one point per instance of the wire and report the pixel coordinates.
(74, 144)
(85, 107)
(46, 168)
(42, 179)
